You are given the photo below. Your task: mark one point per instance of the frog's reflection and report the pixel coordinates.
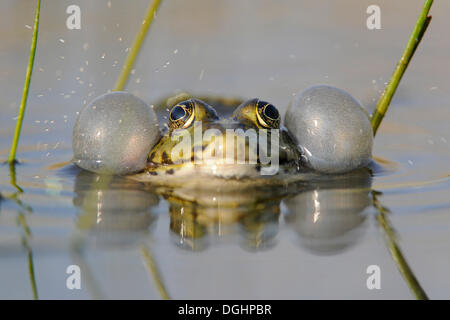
(193, 225)
(114, 210)
(260, 228)
(327, 213)
(329, 216)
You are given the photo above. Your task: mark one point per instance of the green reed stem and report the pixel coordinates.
(25, 238)
(31, 272)
(413, 42)
(23, 103)
(12, 154)
(154, 270)
(396, 252)
(12, 174)
(134, 51)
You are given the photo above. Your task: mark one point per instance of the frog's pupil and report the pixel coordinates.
(271, 112)
(177, 113)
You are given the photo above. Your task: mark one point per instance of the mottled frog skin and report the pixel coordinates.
(207, 157)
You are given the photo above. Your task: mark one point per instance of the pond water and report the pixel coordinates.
(132, 242)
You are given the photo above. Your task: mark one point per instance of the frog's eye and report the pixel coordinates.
(178, 113)
(267, 115)
(181, 115)
(258, 113)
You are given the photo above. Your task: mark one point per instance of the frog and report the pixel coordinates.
(261, 151)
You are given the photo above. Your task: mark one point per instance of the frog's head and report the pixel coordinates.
(248, 142)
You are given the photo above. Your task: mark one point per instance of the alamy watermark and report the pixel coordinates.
(374, 19)
(73, 21)
(73, 281)
(374, 280)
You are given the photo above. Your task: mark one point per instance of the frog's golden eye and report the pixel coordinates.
(181, 115)
(267, 115)
(257, 113)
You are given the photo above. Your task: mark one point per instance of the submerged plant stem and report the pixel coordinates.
(396, 252)
(25, 243)
(23, 103)
(131, 57)
(154, 270)
(413, 42)
(31, 273)
(12, 174)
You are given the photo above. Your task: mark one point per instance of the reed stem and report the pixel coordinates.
(396, 252)
(23, 103)
(22, 221)
(151, 265)
(12, 175)
(34, 289)
(413, 42)
(135, 48)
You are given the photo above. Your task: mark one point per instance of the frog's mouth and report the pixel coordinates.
(224, 148)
